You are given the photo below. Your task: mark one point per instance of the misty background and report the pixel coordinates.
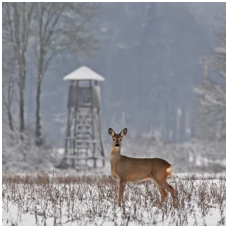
(158, 61)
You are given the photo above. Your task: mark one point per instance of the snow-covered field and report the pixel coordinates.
(45, 199)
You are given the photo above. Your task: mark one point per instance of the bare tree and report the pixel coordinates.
(16, 27)
(213, 91)
(8, 79)
(59, 27)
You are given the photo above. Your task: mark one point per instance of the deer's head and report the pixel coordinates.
(117, 138)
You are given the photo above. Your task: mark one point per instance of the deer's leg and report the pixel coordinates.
(122, 185)
(163, 193)
(170, 189)
(173, 193)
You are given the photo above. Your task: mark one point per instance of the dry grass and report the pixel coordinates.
(92, 200)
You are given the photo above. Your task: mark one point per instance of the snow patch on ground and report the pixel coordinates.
(92, 200)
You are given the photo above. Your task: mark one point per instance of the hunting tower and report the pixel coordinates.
(83, 143)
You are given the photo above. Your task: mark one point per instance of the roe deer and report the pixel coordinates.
(126, 169)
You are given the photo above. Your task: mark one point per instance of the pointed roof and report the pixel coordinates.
(84, 73)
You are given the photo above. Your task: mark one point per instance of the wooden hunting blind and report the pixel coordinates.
(83, 143)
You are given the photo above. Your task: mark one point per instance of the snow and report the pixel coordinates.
(84, 73)
(92, 203)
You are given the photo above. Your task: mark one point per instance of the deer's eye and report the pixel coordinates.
(120, 139)
(114, 140)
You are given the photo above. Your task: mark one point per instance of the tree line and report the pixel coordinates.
(41, 31)
(212, 92)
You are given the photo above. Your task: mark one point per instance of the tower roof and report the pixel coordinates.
(84, 73)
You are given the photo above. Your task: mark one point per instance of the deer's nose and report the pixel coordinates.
(117, 145)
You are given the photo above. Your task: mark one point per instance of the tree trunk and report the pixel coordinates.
(38, 125)
(39, 81)
(10, 118)
(21, 112)
(9, 103)
(21, 96)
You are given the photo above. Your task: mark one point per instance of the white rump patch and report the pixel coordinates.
(169, 170)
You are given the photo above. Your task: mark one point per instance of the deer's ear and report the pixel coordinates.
(123, 132)
(111, 132)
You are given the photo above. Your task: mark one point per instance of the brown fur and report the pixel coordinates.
(126, 169)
